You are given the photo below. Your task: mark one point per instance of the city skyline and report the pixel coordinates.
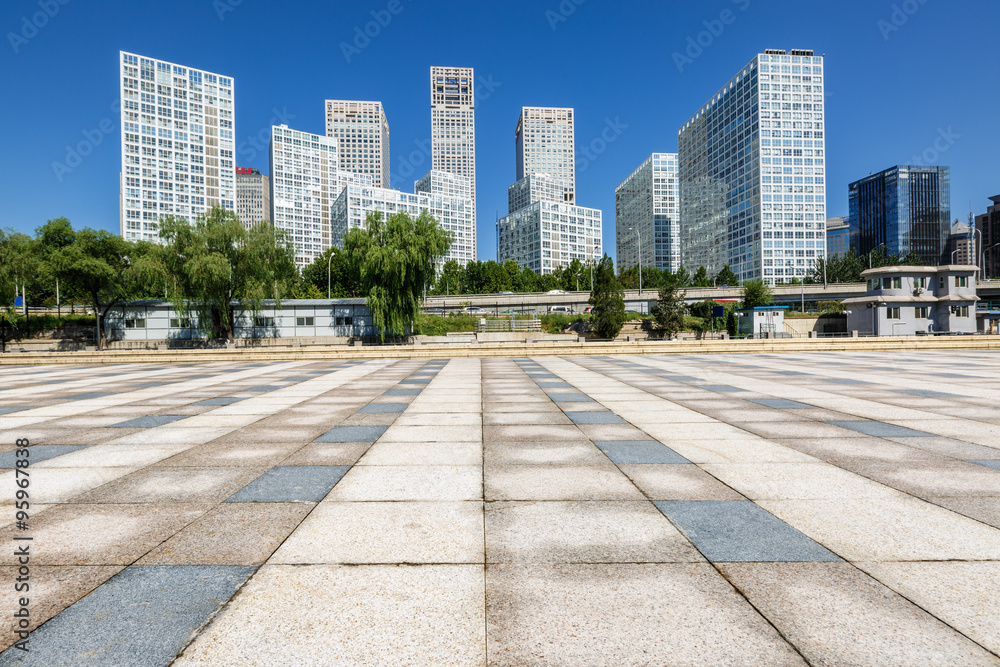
(617, 125)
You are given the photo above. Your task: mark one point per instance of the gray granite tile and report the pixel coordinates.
(224, 400)
(149, 421)
(415, 381)
(720, 388)
(38, 453)
(291, 484)
(570, 398)
(740, 531)
(989, 464)
(555, 385)
(382, 408)
(92, 394)
(879, 429)
(402, 392)
(142, 616)
(352, 434)
(926, 393)
(597, 417)
(11, 410)
(780, 403)
(639, 451)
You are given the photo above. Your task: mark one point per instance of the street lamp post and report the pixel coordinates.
(639, 236)
(974, 232)
(329, 264)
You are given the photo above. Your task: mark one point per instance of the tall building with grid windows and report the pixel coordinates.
(304, 181)
(647, 215)
(362, 133)
(753, 171)
(906, 208)
(177, 144)
(453, 128)
(253, 196)
(544, 141)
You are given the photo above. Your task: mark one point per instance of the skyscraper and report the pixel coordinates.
(544, 141)
(648, 202)
(752, 171)
(453, 127)
(906, 208)
(177, 144)
(988, 225)
(253, 196)
(362, 133)
(303, 185)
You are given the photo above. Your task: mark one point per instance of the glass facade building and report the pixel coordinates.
(177, 144)
(988, 246)
(544, 141)
(253, 196)
(648, 201)
(362, 133)
(752, 172)
(545, 235)
(906, 208)
(838, 237)
(453, 129)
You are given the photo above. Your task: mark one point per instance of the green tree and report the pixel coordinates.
(8, 286)
(700, 278)
(396, 257)
(668, 313)
(573, 276)
(52, 237)
(102, 266)
(332, 273)
(726, 277)
(608, 301)
(450, 279)
(757, 293)
(218, 265)
(847, 268)
(682, 278)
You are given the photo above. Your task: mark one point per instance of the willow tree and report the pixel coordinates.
(395, 258)
(211, 268)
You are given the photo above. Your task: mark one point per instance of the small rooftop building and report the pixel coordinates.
(910, 300)
(761, 322)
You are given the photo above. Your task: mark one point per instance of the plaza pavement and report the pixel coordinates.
(778, 509)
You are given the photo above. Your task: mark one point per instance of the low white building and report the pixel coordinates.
(761, 322)
(910, 300)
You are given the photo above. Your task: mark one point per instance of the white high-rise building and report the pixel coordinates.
(453, 127)
(445, 196)
(177, 144)
(545, 145)
(543, 232)
(647, 215)
(304, 170)
(362, 133)
(253, 196)
(752, 172)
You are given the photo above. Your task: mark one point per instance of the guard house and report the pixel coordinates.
(761, 322)
(912, 300)
(155, 320)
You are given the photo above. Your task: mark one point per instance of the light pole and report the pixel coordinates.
(974, 232)
(329, 264)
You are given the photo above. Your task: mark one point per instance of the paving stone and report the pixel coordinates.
(994, 464)
(402, 392)
(150, 421)
(352, 434)
(780, 403)
(11, 410)
(225, 400)
(603, 417)
(88, 395)
(383, 408)
(720, 388)
(570, 398)
(141, 616)
(413, 380)
(677, 481)
(38, 453)
(879, 429)
(639, 451)
(555, 385)
(291, 484)
(740, 531)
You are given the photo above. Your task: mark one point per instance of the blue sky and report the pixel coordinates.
(904, 79)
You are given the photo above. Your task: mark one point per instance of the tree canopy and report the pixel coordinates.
(668, 313)
(757, 293)
(608, 301)
(847, 268)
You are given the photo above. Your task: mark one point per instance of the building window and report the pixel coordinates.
(263, 322)
(892, 313)
(137, 323)
(304, 321)
(345, 321)
(179, 323)
(961, 311)
(961, 281)
(940, 282)
(922, 313)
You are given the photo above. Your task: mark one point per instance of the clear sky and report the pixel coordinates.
(904, 79)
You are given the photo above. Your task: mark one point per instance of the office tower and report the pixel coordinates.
(544, 142)
(177, 144)
(303, 183)
(988, 226)
(453, 127)
(752, 172)
(960, 248)
(362, 134)
(253, 196)
(838, 237)
(445, 196)
(905, 208)
(544, 232)
(647, 215)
